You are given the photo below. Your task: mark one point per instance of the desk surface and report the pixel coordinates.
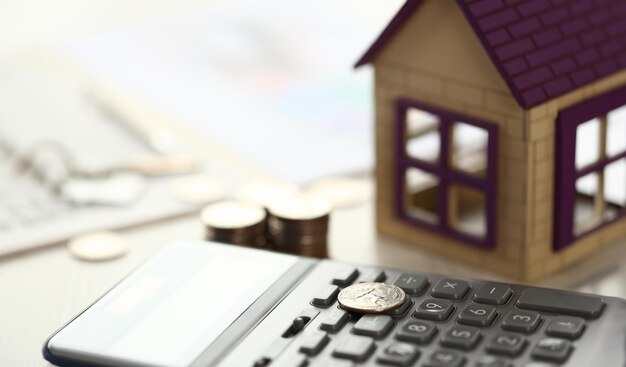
(42, 290)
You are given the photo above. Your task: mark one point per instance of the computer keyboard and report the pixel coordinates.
(447, 322)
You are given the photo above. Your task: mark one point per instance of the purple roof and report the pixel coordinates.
(542, 48)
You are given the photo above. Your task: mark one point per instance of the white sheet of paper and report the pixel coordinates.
(270, 80)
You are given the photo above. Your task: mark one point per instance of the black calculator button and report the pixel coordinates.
(450, 289)
(553, 350)
(462, 337)
(493, 361)
(398, 354)
(566, 327)
(522, 321)
(375, 326)
(434, 309)
(493, 294)
(561, 302)
(477, 315)
(507, 344)
(334, 320)
(400, 311)
(372, 275)
(446, 358)
(355, 348)
(411, 283)
(314, 342)
(421, 332)
(326, 296)
(345, 276)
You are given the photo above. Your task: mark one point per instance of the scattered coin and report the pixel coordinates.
(197, 189)
(371, 297)
(162, 165)
(343, 192)
(97, 246)
(120, 189)
(234, 222)
(264, 193)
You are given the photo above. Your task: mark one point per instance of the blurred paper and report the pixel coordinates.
(270, 80)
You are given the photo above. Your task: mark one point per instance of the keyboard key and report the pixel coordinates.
(450, 289)
(492, 361)
(566, 327)
(326, 296)
(314, 342)
(335, 320)
(445, 358)
(522, 321)
(434, 309)
(372, 275)
(421, 332)
(561, 302)
(552, 349)
(493, 294)
(540, 364)
(355, 348)
(400, 311)
(411, 283)
(506, 344)
(478, 315)
(398, 354)
(345, 277)
(462, 337)
(375, 326)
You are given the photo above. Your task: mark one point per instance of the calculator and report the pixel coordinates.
(207, 304)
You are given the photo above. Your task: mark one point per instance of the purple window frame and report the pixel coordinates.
(446, 174)
(566, 175)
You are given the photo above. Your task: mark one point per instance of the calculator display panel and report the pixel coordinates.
(166, 315)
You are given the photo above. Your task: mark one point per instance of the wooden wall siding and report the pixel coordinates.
(438, 40)
(467, 84)
(438, 60)
(540, 257)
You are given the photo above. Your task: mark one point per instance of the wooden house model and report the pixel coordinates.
(501, 130)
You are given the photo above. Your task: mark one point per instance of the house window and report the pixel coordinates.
(590, 185)
(446, 172)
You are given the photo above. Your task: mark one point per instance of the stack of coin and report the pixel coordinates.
(299, 225)
(236, 223)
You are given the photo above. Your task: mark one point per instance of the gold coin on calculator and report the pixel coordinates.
(371, 297)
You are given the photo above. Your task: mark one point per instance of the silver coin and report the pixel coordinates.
(264, 193)
(162, 165)
(231, 214)
(97, 246)
(301, 207)
(371, 297)
(197, 189)
(120, 189)
(343, 192)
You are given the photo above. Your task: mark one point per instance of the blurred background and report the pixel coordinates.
(107, 105)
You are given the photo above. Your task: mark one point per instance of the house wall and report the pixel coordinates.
(541, 134)
(437, 59)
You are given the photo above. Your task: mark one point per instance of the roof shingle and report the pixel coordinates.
(543, 49)
(578, 42)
